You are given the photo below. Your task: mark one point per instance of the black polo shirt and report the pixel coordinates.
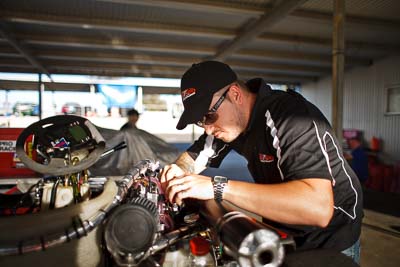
(288, 139)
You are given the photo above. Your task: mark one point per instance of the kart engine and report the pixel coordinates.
(135, 226)
(146, 225)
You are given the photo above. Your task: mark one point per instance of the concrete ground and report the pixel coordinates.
(380, 237)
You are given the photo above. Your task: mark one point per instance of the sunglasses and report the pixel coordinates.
(212, 115)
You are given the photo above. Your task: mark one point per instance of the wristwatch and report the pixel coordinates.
(219, 183)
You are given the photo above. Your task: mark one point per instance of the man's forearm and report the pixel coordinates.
(307, 202)
(187, 164)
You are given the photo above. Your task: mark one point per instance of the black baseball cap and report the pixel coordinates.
(198, 85)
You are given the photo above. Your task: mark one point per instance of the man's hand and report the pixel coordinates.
(184, 186)
(179, 182)
(170, 172)
(189, 186)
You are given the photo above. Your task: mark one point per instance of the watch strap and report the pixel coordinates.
(219, 183)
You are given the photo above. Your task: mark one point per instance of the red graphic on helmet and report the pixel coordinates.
(188, 93)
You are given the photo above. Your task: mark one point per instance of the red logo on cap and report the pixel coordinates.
(265, 158)
(188, 93)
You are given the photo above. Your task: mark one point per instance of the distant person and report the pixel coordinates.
(133, 117)
(359, 161)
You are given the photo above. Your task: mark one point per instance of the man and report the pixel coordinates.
(133, 117)
(302, 185)
(359, 159)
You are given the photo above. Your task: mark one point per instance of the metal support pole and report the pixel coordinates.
(139, 102)
(40, 95)
(193, 134)
(338, 53)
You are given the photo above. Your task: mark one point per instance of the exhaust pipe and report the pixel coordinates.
(250, 242)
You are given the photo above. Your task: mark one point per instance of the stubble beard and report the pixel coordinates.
(238, 126)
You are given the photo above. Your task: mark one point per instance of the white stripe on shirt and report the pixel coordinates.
(323, 147)
(271, 124)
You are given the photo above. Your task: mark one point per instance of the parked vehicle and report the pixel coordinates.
(26, 109)
(71, 108)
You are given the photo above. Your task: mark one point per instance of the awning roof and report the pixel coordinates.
(282, 41)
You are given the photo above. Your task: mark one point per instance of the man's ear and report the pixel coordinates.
(236, 94)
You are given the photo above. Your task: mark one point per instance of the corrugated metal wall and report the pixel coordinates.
(364, 103)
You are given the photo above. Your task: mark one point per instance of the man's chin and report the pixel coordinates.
(226, 136)
(223, 138)
(219, 136)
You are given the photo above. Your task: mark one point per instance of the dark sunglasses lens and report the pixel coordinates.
(210, 118)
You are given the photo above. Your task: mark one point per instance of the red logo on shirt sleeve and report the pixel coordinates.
(265, 158)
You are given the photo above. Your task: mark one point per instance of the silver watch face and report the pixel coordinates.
(220, 179)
